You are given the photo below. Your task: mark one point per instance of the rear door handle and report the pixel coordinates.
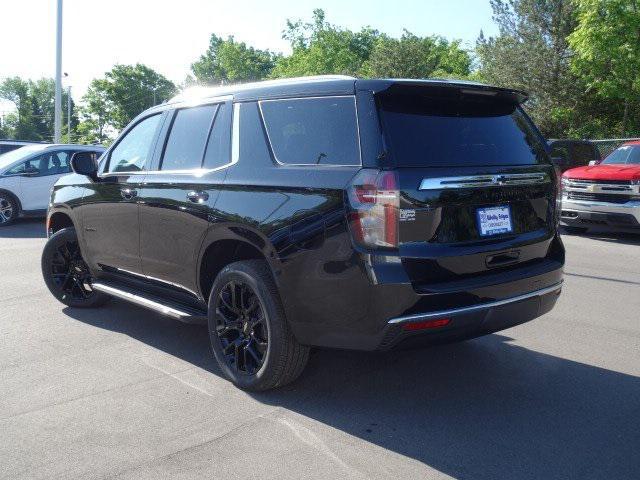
(128, 193)
(197, 197)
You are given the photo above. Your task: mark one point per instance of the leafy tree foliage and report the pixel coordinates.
(411, 56)
(228, 61)
(532, 54)
(34, 101)
(321, 48)
(606, 43)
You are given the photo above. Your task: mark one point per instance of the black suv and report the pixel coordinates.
(324, 211)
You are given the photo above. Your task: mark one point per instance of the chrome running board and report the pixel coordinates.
(184, 314)
(475, 308)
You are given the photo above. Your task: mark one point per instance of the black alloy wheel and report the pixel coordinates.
(242, 328)
(249, 332)
(66, 273)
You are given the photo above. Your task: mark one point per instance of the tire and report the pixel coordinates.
(65, 272)
(575, 230)
(9, 209)
(241, 323)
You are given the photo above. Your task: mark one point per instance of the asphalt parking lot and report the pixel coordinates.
(121, 392)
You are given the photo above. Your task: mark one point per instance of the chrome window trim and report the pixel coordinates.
(473, 181)
(474, 308)
(197, 172)
(320, 165)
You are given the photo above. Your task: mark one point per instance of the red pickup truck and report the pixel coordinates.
(606, 194)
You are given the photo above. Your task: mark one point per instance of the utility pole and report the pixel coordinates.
(69, 114)
(57, 123)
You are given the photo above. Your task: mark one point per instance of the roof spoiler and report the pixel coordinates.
(464, 87)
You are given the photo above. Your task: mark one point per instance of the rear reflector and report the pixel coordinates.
(441, 322)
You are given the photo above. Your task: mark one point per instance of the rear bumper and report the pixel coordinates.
(472, 321)
(613, 215)
(368, 310)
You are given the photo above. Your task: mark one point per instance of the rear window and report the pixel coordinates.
(458, 130)
(313, 131)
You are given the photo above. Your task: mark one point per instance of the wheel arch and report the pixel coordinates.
(225, 245)
(58, 220)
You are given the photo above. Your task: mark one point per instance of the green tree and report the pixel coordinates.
(321, 48)
(532, 53)
(606, 43)
(34, 101)
(130, 89)
(228, 61)
(417, 57)
(96, 113)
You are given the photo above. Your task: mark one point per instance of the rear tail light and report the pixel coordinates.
(374, 199)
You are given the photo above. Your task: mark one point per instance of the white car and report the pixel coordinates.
(27, 175)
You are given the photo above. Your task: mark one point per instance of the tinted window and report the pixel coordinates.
(135, 148)
(187, 138)
(452, 131)
(219, 145)
(313, 131)
(583, 153)
(626, 154)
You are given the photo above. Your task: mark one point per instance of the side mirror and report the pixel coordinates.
(84, 163)
(593, 162)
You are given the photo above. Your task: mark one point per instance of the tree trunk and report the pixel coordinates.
(625, 117)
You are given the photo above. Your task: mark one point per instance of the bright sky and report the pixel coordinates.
(169, 35)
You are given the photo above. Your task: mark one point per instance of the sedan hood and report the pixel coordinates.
(605, 172)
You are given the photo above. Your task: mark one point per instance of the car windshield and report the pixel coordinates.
(625, 155)
(8, 158)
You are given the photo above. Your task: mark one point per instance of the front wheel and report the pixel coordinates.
(8, 210)
(66, 273)
(249, 333)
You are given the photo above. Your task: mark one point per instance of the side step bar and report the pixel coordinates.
(182, 313)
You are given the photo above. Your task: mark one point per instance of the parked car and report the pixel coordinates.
(330, 212)
(9, 145)
(567, 154)
(27, 175)
(605, 194)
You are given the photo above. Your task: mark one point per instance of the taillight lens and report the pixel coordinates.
(374, 200)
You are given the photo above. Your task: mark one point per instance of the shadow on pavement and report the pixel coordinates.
(24, 228)
(483, 409)
(623, 238)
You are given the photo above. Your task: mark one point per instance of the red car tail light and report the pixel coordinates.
(374, 199)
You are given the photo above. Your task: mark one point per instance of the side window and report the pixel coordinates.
(135, 148)
(187, 138)
(18, 169)
(218, 151)
(313, 131)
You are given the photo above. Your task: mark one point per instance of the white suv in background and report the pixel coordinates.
(27, 175)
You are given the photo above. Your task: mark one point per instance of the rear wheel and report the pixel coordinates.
(66, 273)
(8, 209)
(249, 334)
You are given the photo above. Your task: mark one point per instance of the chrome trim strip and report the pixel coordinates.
(474, 181)
(321, 165)
(474, 308)
(141, 301)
